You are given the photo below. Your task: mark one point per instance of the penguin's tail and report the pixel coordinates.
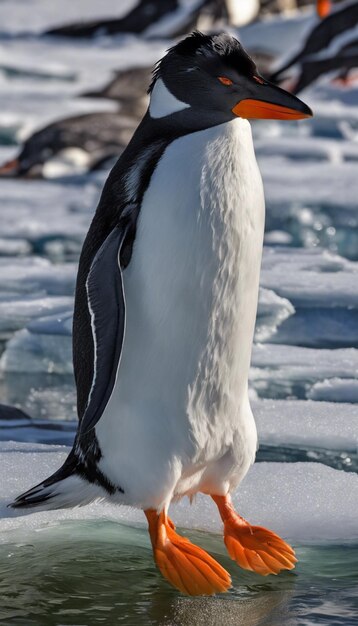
(64, 489)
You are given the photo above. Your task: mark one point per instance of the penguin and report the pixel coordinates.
(165, 310)
(342, 62)
(97, 137)
(152, 18)
(165, 18)
(327, 33)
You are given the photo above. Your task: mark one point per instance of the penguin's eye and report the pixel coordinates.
(224, 80)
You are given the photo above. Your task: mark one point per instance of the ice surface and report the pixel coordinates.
(281, 496)
(309, 183)
(15, 313)
(272, 311)
(23, 428)
(322, 288)
(333, 426)
(278, 34)
(45, 346)
(16, 17)
(36, 276)
(14, 247)
(280, 371)
(44, 214)
(307, 149)
(336, 390)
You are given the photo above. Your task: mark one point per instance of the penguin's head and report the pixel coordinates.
(210, 79)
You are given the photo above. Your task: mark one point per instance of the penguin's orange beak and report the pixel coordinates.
(267, 101)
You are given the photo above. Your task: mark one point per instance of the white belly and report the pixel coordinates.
(179, 419)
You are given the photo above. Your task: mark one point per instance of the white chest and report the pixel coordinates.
(192, 285)
(191, 296)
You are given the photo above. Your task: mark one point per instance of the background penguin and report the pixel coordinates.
(165, 311)
(341, 62)
(162, 18)
(340, 22)
(96, 138)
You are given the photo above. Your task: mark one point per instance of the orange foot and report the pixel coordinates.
(324, 8)
(187, 567)
(253, 547)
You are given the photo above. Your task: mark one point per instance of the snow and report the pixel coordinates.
(336, 390)
(26, 209)
(272, 311)
(330, 182)
(45, 346)
(15, 16)
(36, 276)
(333, 426)
(322, 290)
(279, 33)
(291, 371)
(281, 496)
(16, 312)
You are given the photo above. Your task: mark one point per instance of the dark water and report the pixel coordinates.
(89, 573)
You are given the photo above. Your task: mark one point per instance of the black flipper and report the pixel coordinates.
(107, 308)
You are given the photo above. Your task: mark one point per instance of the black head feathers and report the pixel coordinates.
(197, 48)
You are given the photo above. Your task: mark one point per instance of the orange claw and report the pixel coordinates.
(186, 566)
(253, 547)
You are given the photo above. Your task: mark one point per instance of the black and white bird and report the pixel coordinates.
(150, 18)
(337, 66)
(88, 140)
(324, 48)
(165, 311)
(164, 18)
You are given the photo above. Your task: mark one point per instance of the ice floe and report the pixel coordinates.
(42, 347)
(15, 313)
(282, 371)
(329, 425)
(336, 390)
(36, 276)
(281, 496)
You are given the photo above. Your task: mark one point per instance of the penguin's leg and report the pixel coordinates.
(187, 567)
(253, 547)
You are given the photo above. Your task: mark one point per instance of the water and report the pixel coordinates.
(103, 573)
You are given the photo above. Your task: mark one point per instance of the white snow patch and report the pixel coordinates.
(333, 426)
(272, 311)
(336, 390)
(281, 369)
(15, 313)
(45, 346)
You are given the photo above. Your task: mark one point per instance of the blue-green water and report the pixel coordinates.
(89, 573)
